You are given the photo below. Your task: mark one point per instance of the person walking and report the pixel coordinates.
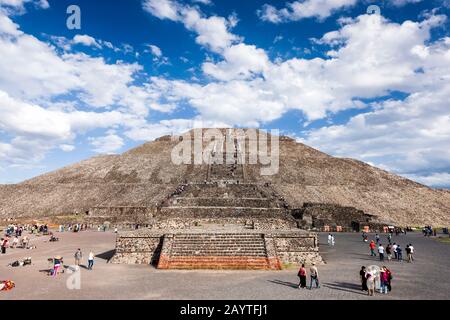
(389, 252)
(362, 275)
(302, 275)
(399, 253)
(377, 238)
(329, 239)
(411, 253)
(314, 274)
(384, 280)
(333, 242)
(15, 242)
(390, 238)
(372, 249)
(394, 249)
(4, 245)
(78, 256)
(90, 260)
(381, 252)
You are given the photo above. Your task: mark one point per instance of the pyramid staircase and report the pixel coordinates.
(217, 251)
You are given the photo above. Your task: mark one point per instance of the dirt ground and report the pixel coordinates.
(427, 278)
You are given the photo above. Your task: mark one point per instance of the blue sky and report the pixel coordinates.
(366, 86)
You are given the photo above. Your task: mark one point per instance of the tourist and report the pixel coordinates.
(384, 280)
(57, 261)
(389, 279)
(78, 255)
(329, 239)
(399, 253)
(362, 275)
(90, 260)
(302, 275)
(390, 238)
(394, 249)
(15, 242)
(116, 230)
(410, 253)
(377, 238)
(370, 283)
(389, 252)
(314, 274)
(4, 245)
(332, 241)
(372, 249)
(381, 252)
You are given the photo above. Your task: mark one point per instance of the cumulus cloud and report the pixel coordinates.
(108, 144)
(212, 32)
(298, 10)
(86, 40)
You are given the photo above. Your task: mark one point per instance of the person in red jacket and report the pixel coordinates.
(372, 249)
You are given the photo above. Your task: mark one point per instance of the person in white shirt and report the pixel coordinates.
(394, 249)
(90, 260)
(381, 252)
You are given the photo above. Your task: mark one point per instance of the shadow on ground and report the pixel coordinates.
(285, 283)
(107, 255)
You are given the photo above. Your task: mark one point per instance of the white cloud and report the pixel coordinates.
(206, 2)
(241, 61)
(67, 147)
(86, 40)
(401, 3)
(108, 144)
(155, 50)
(298, 10)
(213, 32)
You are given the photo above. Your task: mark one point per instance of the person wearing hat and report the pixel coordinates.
(56, 265)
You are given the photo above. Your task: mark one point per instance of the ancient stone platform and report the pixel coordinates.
(217, 249)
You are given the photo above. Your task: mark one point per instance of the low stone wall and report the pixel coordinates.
(223, 202)
(135, 248)
(296, 248)
(220, 212)
(257, 224)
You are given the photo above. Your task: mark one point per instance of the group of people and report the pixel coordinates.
(14, 230)
(16, 242)
(428, 231)
(391, 249)
(79, 256)
(313, 274)
(77, 227)
(57, 262)
(369, 279)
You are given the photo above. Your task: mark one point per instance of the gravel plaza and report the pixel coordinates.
(427, 278)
